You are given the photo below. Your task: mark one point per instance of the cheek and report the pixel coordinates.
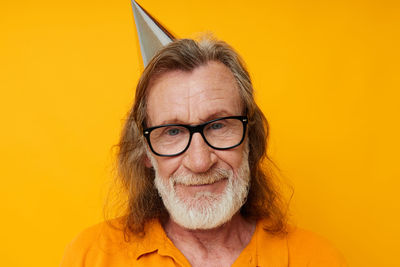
(167, 166)
(231, 159)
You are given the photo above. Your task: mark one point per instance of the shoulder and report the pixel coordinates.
(300, 247)
(102, 241)
(308, 248)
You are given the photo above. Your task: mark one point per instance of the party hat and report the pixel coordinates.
(152, 35)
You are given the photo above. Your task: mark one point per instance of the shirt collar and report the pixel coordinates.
(155, 240)
(264, 249)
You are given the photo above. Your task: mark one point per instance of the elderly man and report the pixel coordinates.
(190, 159)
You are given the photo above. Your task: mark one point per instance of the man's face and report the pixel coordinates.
(203, 187)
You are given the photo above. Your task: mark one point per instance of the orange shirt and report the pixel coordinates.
(101, 246)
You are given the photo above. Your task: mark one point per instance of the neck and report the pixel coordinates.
(228, 239)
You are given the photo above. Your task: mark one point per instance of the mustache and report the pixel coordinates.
(209, 177)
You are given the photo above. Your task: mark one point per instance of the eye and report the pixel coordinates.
(173, 131)
(217, 125)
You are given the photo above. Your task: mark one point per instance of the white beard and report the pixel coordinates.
(205, 210)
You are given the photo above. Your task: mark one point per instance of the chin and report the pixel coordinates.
(206, 210)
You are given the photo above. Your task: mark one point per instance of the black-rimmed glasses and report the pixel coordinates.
(174, 139)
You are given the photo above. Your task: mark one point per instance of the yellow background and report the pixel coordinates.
(326, 73)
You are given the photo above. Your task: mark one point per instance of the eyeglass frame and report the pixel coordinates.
(196, 129)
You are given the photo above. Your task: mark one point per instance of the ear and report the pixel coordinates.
(147, 162)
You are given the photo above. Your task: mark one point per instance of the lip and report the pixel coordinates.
(199, 185)
(216, 187)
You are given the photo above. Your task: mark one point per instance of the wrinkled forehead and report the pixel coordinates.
(193, 96)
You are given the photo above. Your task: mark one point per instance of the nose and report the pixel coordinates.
(199, 157)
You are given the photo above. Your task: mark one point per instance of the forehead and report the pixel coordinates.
(207, 92)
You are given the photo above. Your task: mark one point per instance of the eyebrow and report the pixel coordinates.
(217, 115)
(172, 121)
(210, 117)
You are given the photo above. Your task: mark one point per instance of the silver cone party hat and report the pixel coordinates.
(152, 35)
